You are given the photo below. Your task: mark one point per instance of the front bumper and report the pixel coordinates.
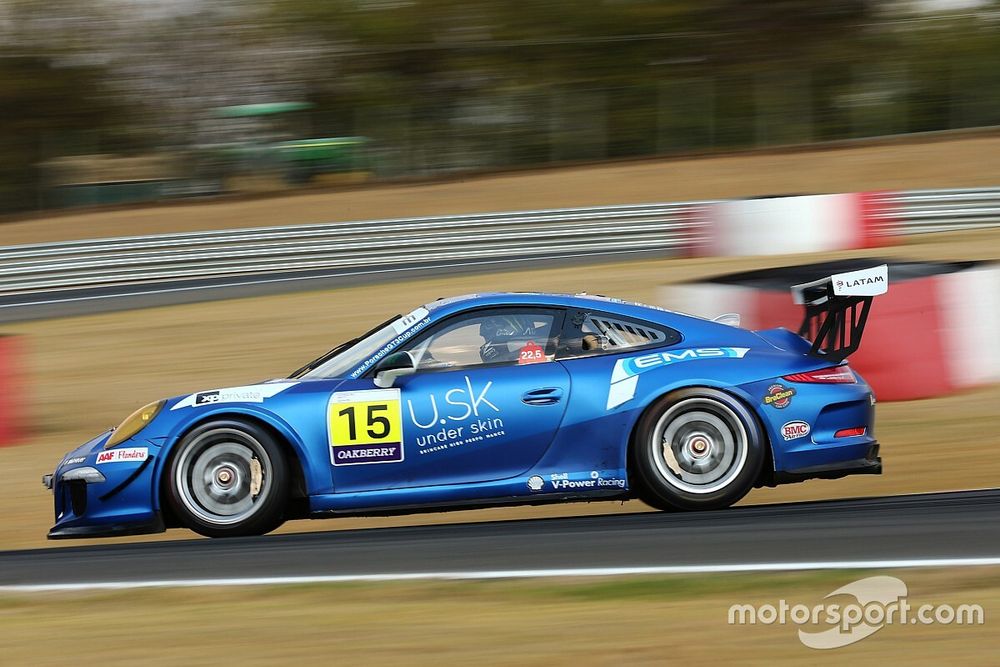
(96, 494)
(153, 525)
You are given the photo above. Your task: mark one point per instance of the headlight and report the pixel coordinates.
(134, 423)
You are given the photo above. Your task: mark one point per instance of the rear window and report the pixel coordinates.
(621, 334)
(599, 333)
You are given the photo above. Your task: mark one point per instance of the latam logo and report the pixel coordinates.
(858, 282)
(137, 454)
(866, 282)
(794, 430)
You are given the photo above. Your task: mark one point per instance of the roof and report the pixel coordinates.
(582, 300)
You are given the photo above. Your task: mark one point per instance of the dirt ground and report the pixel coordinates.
(640, 621)
(88, 373)
(913, 163)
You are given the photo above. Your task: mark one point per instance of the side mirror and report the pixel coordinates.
(393, 366)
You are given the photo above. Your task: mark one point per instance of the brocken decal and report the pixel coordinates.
(625, 375)
(779, 396)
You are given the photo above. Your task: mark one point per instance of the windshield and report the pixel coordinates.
(368, 347)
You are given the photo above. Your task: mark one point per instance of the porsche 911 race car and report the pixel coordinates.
(495, 399)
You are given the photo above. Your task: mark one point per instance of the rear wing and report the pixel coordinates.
(837, 310)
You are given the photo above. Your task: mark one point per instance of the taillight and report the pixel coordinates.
(850, 432)
(833, 375)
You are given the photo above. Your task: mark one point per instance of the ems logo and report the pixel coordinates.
(794, 430)
(779, 396)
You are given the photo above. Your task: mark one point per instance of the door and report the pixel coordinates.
(485, 403)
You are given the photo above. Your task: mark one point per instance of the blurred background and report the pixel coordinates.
(117, 101)
(140, 117)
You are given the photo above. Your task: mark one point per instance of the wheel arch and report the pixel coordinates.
(767, 467)
(298, 489)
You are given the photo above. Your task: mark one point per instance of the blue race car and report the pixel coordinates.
(496, 399)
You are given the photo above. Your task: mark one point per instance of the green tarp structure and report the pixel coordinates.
(265, 109)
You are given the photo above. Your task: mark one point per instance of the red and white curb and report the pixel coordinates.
(927, 336)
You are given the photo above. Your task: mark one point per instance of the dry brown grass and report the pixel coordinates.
(915, 163)
(647, 621)
(87, 373)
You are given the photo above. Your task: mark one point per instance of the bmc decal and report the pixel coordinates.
(138, 454)
(625, 375)
(531, 353)
(365, 427)
(255, 393)
(794, 430)
(779, 396)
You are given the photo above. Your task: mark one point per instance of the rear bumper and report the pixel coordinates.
(871, 464)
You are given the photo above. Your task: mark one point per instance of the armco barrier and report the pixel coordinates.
(438, 241)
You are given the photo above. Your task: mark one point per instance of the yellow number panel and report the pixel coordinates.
(365, 427)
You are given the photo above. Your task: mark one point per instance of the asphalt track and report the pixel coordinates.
(901, 529)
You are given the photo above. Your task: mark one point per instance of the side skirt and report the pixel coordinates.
(453, 506)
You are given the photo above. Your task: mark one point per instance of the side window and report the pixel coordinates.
(599, 333)
(506, 336)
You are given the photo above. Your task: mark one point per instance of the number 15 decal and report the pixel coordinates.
(365, 427)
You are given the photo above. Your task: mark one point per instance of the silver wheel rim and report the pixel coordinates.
(223, 476)
(699, 445)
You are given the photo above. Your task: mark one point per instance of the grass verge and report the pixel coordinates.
(675, 620)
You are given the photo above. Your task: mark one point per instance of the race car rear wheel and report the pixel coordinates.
(697, 448)
(227, 479)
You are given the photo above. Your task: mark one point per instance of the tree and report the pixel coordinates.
(46, 111)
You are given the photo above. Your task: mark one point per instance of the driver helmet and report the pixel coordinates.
(498, 331)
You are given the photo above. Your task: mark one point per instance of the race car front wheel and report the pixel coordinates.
(227, 479)
(696, 448)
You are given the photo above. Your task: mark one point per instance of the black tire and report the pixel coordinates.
(714, 457)
(244, 480)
